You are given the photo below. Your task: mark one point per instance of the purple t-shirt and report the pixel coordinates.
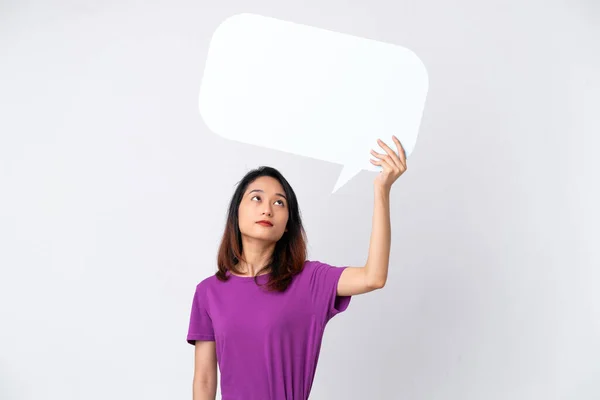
(267, 343)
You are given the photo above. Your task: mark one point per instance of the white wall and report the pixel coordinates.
(114, 194)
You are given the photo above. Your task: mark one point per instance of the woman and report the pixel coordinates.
(263, 314)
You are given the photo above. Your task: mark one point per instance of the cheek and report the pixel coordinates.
(284, 221)
(242, 216)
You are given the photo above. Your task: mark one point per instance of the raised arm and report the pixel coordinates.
(358, 280)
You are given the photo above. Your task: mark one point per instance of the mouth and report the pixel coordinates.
(265, 223)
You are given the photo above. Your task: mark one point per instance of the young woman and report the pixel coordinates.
(262, 315)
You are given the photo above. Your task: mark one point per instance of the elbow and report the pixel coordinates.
(377, 285)
(204, 390)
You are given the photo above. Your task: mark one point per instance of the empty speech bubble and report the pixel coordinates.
(310, 91)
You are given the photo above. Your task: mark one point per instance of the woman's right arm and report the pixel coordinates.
(205, 370)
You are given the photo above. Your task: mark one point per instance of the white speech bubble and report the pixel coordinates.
(310, 91)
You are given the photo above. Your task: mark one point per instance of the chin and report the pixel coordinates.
(264, 236)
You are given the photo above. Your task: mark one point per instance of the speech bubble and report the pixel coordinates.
(311, 92)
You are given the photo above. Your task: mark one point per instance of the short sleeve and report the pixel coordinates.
(323, 287)
(200, 327)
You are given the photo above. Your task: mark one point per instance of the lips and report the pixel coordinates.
(264, 223)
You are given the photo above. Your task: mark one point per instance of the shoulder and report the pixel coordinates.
(316, 265)
(318, 268)
(310, 265)
(207, 283)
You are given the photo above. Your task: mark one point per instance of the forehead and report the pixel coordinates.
(265, 183)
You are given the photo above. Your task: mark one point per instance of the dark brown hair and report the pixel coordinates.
(290, 251)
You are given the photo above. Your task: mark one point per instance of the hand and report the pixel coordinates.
(393, 164)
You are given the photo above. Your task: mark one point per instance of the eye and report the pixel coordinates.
(282, 203)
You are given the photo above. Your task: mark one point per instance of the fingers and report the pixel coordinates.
(384, 163)
(401, 152)
(391, 154)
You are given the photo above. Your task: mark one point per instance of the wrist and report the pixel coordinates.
(382, 190)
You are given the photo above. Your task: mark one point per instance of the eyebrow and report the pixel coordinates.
(262, 191)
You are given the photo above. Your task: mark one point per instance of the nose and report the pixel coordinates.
(268, 211)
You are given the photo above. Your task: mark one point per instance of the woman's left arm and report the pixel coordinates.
(358, 280)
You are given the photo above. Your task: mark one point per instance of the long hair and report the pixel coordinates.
(290, 251)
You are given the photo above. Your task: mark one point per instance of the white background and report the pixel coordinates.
(114, 194)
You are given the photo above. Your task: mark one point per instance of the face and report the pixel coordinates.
(264, 199)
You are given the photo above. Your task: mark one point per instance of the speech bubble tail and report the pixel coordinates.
(346, 174)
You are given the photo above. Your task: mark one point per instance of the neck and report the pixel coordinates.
(256, 256)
